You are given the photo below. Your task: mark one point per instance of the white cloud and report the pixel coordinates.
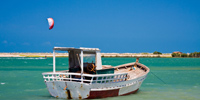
(58, 44)
(8, 43)
(26, 43)
(5, 42)
(47, 43)
(12, 43)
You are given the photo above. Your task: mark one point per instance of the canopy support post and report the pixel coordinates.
(82, 66)
(54, 62)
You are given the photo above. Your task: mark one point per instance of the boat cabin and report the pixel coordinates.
(83, 60)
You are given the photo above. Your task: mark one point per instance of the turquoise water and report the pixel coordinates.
(177, 78)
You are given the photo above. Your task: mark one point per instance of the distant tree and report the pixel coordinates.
(176, 55)
(184, 55)
(156, 52)
(191, 55)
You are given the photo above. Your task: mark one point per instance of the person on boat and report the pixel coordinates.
(137, 59)
(135, 65)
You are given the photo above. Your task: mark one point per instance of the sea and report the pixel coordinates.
(169, 78)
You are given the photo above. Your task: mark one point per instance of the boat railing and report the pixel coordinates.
(85, 78)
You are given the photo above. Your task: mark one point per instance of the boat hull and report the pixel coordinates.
(78, 90)
(108, 93)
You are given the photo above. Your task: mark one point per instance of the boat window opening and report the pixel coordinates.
(74, 61)
(89, 58)
(89, 65)
(61, 56)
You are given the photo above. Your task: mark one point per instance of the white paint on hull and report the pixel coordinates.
(82, 90)
(77, 90)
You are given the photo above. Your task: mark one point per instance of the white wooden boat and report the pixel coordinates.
(87, 78)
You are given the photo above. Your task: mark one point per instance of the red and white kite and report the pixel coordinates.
(51, 23)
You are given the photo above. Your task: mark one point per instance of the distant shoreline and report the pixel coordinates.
(164, 55)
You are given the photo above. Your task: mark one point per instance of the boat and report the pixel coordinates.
(87, 78)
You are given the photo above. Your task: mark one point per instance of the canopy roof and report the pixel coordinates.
(78, 49)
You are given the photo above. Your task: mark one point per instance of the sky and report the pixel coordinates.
(122, 26)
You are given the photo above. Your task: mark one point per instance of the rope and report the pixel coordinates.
(158, 77)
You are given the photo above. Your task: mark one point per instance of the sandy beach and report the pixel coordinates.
(102, 54)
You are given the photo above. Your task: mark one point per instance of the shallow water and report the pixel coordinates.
(169, 78)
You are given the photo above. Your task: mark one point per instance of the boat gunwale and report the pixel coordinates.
(101, 75)
(97, 75)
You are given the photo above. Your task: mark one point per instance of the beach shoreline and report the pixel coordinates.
(164, 55)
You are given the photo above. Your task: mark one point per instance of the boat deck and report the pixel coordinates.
(132, 73)
(127, 68)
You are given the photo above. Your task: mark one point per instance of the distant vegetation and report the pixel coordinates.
(145, 53)
(184, 55)
(194, 54)
(156, 52)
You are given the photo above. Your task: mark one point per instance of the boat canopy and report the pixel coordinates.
(72, 48)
